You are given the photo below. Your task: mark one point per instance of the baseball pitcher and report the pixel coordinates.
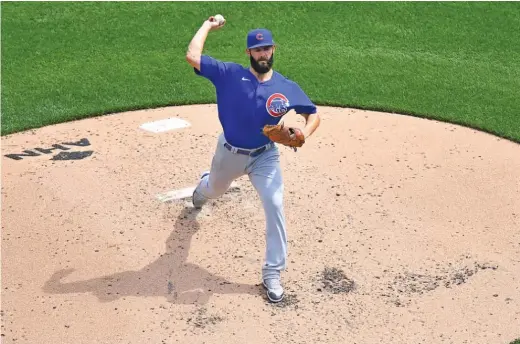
(251, 102)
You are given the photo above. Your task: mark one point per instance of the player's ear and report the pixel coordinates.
(248, 52)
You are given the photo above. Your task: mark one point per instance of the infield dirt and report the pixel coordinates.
(401, 230)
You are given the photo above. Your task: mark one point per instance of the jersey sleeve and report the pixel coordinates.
(301, 103)
(212, 69)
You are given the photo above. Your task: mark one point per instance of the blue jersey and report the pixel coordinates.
(245, 104)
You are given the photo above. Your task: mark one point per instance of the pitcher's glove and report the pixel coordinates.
(288, 136)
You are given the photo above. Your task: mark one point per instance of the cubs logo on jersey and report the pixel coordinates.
(277, 105)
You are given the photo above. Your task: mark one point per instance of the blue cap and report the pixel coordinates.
(259, 38)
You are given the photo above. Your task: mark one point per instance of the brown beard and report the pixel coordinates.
(260, 69)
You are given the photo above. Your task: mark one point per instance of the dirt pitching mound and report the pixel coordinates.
(401, 230)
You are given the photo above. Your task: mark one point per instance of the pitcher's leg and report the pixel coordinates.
(266, 176)
(225, 167)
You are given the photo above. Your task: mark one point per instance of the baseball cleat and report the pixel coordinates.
(275, 291)
(198, 200)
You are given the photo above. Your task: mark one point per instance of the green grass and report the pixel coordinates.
(516, 341)
(452, 61)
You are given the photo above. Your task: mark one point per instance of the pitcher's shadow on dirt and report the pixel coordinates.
(169, 276)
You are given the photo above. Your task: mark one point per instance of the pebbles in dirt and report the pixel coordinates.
(289, 300)
(409, 284)
(202, 319)
(335, 281)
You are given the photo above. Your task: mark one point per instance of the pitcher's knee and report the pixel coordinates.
(273, 200)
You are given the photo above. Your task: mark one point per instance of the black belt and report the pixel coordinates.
(253, 153)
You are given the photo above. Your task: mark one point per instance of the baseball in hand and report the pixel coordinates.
(220, 19)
